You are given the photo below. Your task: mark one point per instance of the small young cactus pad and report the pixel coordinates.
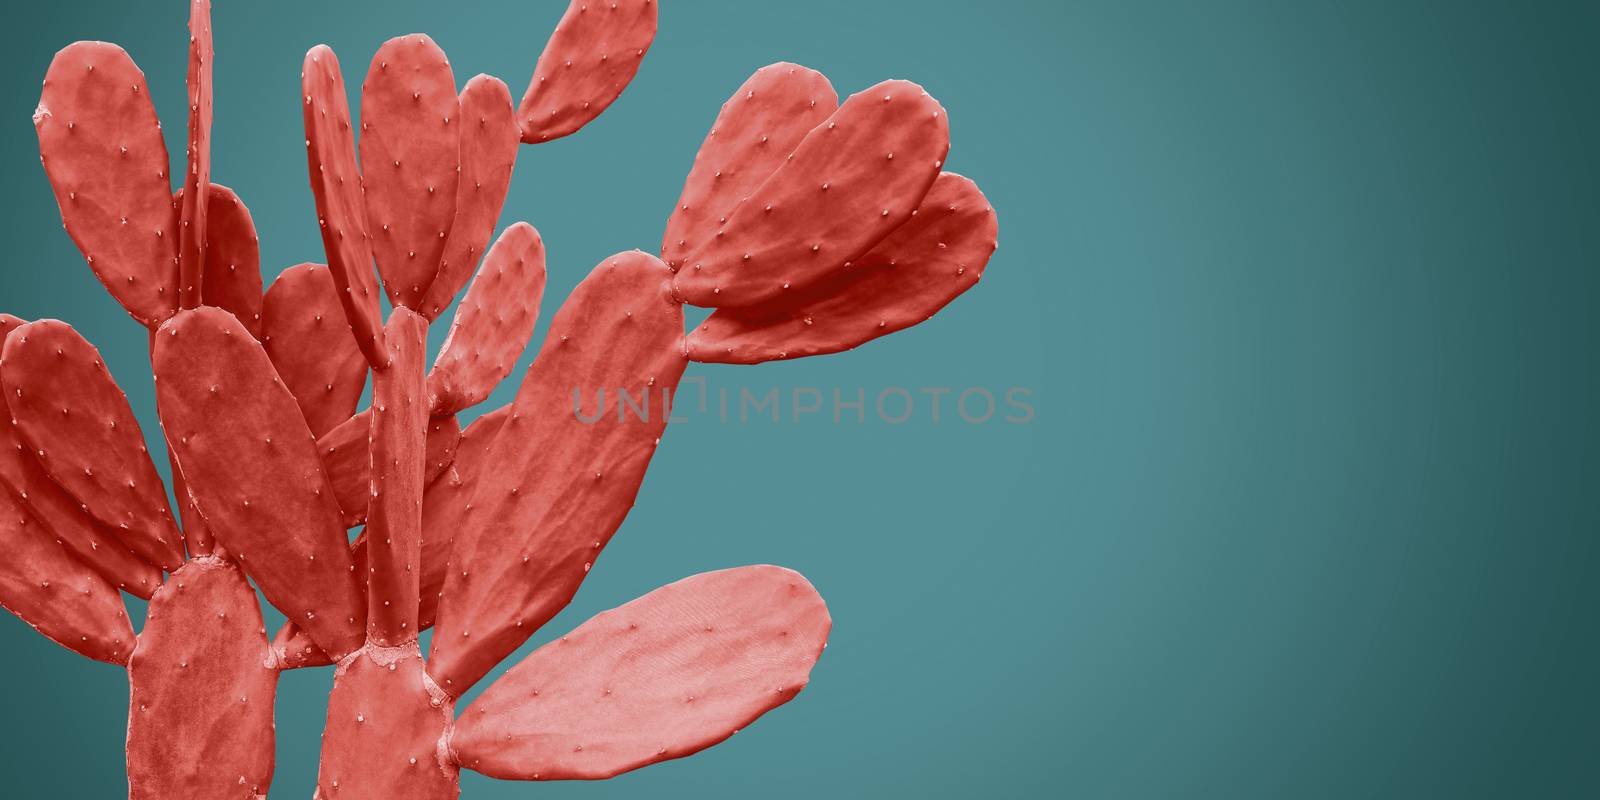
(492, 324)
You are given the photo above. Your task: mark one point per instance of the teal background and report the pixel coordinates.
(1304, 291)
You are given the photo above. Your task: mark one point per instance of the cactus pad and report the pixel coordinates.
(664, 676)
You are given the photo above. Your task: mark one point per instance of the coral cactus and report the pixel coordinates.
(810, 226)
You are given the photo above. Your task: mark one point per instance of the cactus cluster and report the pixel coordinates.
(810, 226)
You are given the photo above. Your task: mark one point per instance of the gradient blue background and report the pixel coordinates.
(1304, 291)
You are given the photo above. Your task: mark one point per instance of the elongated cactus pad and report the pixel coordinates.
(196, 534)
(306, 336)
(489, 139)
(195, 205)
(232, 278)
(45, 586)
(444, 505)
(905, 279)
(410, 158)
(760, 125)
(101, 145)
(664, 676)
(492, 324)
(336, 186)
(202, 689)
(382, 741)
(852, 180)
(63, 517)
(257, 478)
(452, 471)
(348, 464)
(590, 58)
(394, 535)
(78, 424)
(556, 487)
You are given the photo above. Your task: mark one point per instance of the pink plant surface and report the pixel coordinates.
(810, 227)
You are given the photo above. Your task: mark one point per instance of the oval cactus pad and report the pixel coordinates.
(492, 324)
(257, 479)
(593, 53)
(664, 676)
(410, 159)
(101, 145)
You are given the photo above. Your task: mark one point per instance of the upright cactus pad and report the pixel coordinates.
(489, 139)
(492, 324)
(202, 684)
(257, 478)
(594, 52)
(70, 412)
(394, 521)
(560, 485)
(411, 160)
(101, 146)
(336, 187)
(195, 205)
(232, 276)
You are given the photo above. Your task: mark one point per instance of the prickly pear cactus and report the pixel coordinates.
(810, 227)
